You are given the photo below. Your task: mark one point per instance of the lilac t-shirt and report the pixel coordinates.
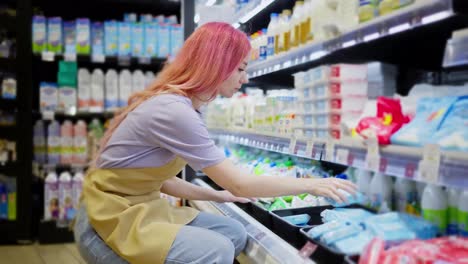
(158, 130)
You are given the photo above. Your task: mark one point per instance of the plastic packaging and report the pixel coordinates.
(319, 230)
(39, 31)
(65, 197)
(434, 206)
(301, 219)
(340, 233)
(111, 102)
(77, 187)
(380, 191)
(453, 202)
(110, 38)
(51, 197)
(125, 87)
(463, 213)
(66, 142)
(97, 91)
(54, 35)
(83, 36)
(84, 90)
(53, 143)
(80, 143)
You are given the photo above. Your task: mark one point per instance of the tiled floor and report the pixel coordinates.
(40, 254)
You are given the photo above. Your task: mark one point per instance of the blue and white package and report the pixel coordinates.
(301, 219)
(130, 17)
(124, 29)
(83, 36)
(54, 35)
(177, 39)
(319, 230)
(453, 131)
(348, 215)
(110, 38)
(357, 198)
(137, 40)
(69, 36)
(151, 39)
(354, 245)
(430, 113)
(420, 226)
(97, 38)
(340, 233)
(39, 34)
(394, 230)
(163, 40)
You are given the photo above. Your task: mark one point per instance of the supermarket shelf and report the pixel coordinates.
(246, 14)
(103, 60)
(49, 233)
(456, 53)
(7, 64)
(7, 104)
(263, 246)
(7, 22)
(399, 161)
(49, 115)
(8, 231)
(8, 132)
(9, 168)
(418, 15)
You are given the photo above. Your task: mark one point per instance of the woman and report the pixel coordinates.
(151, 141)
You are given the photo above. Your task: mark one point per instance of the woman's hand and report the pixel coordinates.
(328, 187)
(227, 197)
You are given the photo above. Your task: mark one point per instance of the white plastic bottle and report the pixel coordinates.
(66, 142)
(39, 142)
(97, 91)
(51, 197)
(53, 143)
(453, 200)
(65, 196)
(80, 143)
(149, 78)
(138, 81)
(435, 207)
(77, 188)
(380, 191)
(125, 87)
(405, 193)
(364, 178)
(296, 24)
(262, 45)
(271, 32)
(84, 90)
(111, 103)
(463, 213)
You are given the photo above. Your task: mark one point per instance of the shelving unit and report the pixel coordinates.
(413, 39)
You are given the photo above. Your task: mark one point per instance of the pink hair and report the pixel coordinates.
(207, 58)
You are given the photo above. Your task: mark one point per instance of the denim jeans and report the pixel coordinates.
(207, 239)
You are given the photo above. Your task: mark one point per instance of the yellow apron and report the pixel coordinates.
(125, 209)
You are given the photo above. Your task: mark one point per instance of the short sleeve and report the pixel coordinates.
(177, 127)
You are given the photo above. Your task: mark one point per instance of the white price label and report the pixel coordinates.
(309, 148)
(330, 150)
(431, 153)
(48, 115)
(69, 57)
(428, 172)
(48, 56)
(373, 163)
(98, 58)
(292, 146)
(342, 156)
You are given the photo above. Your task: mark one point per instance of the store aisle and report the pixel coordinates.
(41, 254)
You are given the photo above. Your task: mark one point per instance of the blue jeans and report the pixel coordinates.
(207, 239)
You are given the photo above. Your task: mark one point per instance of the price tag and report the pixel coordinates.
(410, 168)
(98, 58)
(48, 56)
(383, 165)
(292, 146)
(342, 156)
(309, 148)
(307, 250)
(48, 115)
(69, 57)
(330, 150)
(372, 156)
(429, 166)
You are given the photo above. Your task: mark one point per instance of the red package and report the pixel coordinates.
(373, 252)
(389, 120)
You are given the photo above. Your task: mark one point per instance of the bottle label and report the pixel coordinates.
(270, 46)
(263, 52)
(438, 217)
(452, 228)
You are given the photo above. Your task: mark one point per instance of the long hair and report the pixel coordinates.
(207, 58)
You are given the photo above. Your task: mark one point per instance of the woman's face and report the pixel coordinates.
(234, 82)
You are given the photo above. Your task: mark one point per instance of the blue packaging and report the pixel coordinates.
(177, 39)
(430, 113)
(97, 38)
(357, 198)
(137, 40)
(453, 131)
(39, 34)
(319, 230)
(163, 40)
(151, 39)
(124, 31)
(110, 38)
(301, 219)
(354, 245)
(343, 232)
(83, 36)
(3, 201)
(348, 215)
(130, 17)
(146, 18)
(263, 48)
(69, 36)
(54, 35)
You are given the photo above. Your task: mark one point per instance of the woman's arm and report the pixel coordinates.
(242, 184)
(180, 188)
